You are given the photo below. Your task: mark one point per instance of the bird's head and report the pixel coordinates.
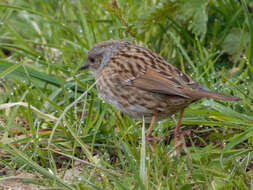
(100, 54)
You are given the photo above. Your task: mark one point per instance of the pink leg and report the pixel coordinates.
(177, 131)
(149, 136)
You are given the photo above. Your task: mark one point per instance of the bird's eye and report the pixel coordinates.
(91, 59)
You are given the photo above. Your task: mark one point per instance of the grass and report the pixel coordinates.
(52, 123)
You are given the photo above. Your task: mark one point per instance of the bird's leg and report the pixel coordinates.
(179, 138)
(149, 136)
(177, 133)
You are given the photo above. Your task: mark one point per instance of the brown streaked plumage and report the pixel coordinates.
(140, 83)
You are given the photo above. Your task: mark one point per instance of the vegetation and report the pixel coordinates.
(52, 123)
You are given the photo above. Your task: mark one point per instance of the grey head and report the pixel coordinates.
(100, 54)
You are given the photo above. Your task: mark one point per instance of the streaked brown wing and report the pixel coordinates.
(152, 81)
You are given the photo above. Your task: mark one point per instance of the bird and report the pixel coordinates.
(141, 83)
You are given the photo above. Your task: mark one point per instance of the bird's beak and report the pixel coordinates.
(85, 66)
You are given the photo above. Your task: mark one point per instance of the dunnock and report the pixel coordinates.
(141, 83)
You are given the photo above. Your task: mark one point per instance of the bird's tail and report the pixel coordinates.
(215, 95)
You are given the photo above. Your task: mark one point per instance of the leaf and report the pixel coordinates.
(10, 70)
(19, 72)
(233, 115)
(28, 161)
(235, 42)
(235, 141)
(195, 12)
(157, 14)
(192, 12)
(250, 26)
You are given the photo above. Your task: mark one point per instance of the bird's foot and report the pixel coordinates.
(180, 143)
(151, 139)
